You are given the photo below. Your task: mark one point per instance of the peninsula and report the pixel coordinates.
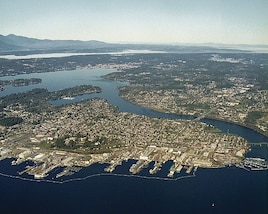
(93, 131)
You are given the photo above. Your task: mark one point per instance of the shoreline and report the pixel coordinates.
(189, 115)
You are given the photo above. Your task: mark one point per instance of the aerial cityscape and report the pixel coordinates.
(63, 130)
(134, 106)
(93, 131)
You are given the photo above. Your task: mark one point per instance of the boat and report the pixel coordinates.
(253, 164)
(68, 98)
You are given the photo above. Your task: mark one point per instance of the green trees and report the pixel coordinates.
(60, 143)
(253, 116)
(10, 121)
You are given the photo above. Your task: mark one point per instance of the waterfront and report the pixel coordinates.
(230, 189)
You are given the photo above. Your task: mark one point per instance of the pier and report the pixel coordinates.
(254, 164)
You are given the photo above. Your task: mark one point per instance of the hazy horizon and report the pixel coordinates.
(225, 22)
(149, 43)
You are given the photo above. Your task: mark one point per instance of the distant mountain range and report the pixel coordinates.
(16, 43)
(20, 45)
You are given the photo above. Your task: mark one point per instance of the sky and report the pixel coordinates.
(138, 21)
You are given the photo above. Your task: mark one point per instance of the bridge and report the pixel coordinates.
(204, 115)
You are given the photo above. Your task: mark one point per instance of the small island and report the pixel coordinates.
(19, 82)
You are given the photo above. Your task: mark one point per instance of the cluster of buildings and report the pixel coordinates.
(121, 66)
(126, 136)
(229, 104)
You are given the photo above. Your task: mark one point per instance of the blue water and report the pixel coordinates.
(232, 190)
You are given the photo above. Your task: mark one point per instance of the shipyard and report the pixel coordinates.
(112, 137)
